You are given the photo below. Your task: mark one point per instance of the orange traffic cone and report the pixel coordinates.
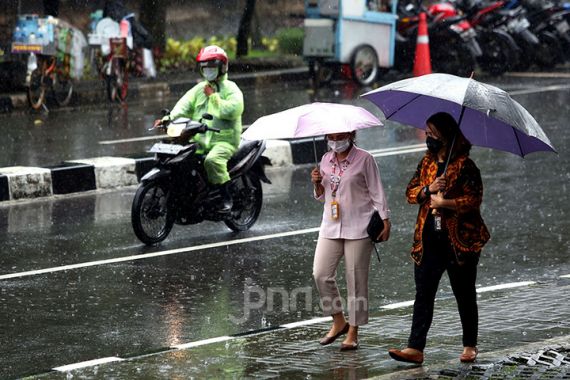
(422, 62)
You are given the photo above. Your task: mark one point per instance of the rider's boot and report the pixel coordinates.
(227, 202)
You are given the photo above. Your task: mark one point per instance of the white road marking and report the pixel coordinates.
(157, 254)
(306, 322)
(202, 342)
(505, 286)
(132, 139)
(565, 276)
(540, 89)
(88, 363)
(397, 305)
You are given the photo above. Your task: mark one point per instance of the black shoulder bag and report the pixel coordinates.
(375, 227)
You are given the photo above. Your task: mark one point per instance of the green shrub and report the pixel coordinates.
(290, 40)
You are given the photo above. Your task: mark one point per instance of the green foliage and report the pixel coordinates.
(290, 41)
(182, 54)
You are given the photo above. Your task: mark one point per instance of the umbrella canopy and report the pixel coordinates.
(487, 115)
(309, 120)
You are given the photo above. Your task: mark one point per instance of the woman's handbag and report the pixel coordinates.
(375, 227)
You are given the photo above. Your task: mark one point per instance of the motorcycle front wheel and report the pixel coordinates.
(247, 198)
(151, 217)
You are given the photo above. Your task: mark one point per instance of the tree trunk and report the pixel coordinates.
(51, 8)
(245, 28)
(153, 18)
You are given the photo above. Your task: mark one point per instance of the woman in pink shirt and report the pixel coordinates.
(349, 185)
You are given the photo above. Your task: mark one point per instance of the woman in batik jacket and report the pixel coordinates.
(449, 234)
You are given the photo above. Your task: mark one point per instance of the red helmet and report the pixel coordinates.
(215, 54)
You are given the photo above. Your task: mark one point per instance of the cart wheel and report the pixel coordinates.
(364, 65)
(36, 89)
(321, 73)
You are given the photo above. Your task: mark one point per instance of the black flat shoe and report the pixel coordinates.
(329, 339)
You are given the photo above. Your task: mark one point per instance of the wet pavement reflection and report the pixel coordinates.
(145, 305)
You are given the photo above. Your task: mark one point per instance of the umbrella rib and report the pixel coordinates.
(405, 105)
(518, 142)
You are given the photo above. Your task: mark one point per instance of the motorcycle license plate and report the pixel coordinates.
(563, 27)
(166, 148)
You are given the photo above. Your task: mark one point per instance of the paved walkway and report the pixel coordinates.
(510, 320)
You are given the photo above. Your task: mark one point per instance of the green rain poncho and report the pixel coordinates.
(226, 106)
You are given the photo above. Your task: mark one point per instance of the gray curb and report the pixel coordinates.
(25, 182)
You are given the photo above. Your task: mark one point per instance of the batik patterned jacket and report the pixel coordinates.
(467, 231)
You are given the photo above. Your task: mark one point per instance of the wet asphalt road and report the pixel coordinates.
(191, 291)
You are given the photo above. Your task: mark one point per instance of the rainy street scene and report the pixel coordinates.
(301, 189)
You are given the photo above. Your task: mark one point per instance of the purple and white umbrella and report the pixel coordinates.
(486, 115)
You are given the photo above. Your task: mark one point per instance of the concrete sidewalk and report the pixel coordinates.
(524, 332)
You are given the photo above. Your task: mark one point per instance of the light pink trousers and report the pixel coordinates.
(356, 255)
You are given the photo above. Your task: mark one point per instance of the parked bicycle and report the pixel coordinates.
(51, 48)
(115, 70)
(50, 74)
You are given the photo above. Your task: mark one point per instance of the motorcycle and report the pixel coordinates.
(549, 21)
(453, 43)
(500, 51)
(176, 189)
(495, 16)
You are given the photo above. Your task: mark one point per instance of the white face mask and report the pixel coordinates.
(339, 146)
(210, 73)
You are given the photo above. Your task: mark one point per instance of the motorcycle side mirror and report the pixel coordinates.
(207, 116)
(165, 111)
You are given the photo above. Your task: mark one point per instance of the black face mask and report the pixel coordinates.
(433, 145)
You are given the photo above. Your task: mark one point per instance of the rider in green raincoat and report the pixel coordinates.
(222, 99)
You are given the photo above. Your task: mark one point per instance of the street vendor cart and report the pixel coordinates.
(54, 52)
(354, 36)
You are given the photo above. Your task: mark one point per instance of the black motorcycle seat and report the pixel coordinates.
(244, 149)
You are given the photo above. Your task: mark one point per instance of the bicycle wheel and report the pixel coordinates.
(62, 89)
(36, 89)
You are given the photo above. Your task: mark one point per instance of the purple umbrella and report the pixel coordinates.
(487, 115)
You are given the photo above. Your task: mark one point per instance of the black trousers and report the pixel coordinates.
(438, 256)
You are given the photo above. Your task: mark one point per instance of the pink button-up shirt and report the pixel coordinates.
(359, 192)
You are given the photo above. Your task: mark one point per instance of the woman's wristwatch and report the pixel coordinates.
(426, 191)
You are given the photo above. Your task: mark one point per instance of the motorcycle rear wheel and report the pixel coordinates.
(151, 218)
(247, 199)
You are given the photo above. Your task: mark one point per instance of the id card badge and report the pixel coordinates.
(437, 222)
(335, 210)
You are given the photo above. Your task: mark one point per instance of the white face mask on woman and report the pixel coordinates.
(339, 146)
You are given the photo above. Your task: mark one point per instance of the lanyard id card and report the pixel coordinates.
(335, 210)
